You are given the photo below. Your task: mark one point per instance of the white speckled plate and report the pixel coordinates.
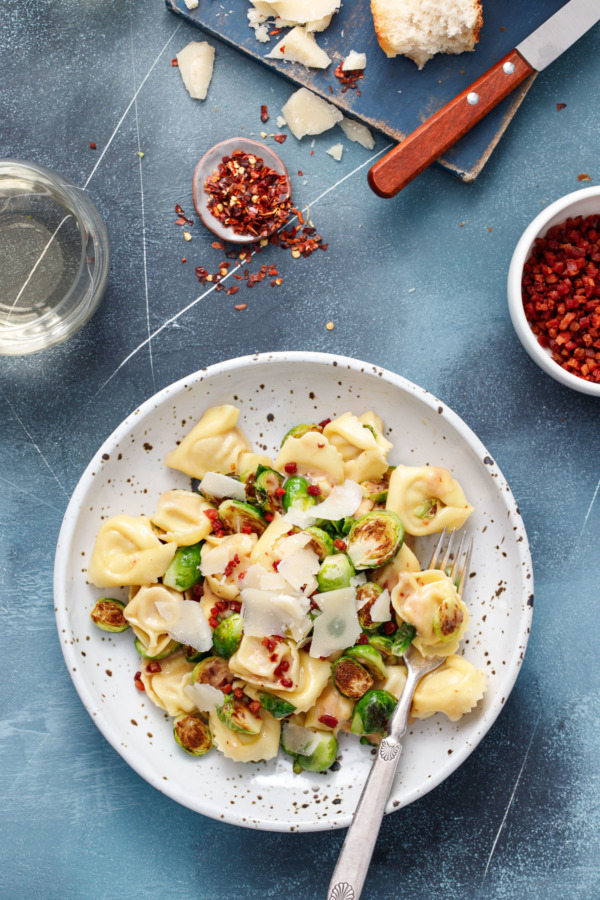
(274, 392)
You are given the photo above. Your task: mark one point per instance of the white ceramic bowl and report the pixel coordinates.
(584, 203)
(274, 392)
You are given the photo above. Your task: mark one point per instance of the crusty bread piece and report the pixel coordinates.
(421, 28)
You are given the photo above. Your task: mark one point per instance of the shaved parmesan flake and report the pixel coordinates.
(337, 627)
(291, 543)
(380, 611)
(343, 501)
(299, 569)
(216, 485)
(300, 46)
(304, 10)
(336, 151)
(299, 740)
(191, 4)
(301, 518)
(358, 133)
(319, 24)
(264, 8)
(257, 577)
(305, 113)
(354, 61)
(268, 612)
(358, 579)
(195, 63)
(186, 623)
(214, 560)
(205, 697)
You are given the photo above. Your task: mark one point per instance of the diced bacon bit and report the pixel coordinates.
(390, 627)
(235, 605)
(213, 622)
(276, 565)
(281, 669)
(314, 490)
(238, 693)
(153, 667)
(226, 688)
(231, 565)
(328, 721)
(314, 605)
(197, 591)
(269, 517)
(291, 468)
(363, 639)
(264, 114)
(246, 529)
(254, 707)
(279, 492)
(348, 79)
(137, 680)
(561, 295)
(287, 683)
(324, 423)
(271, 642)
(339, 544)
(175, 63)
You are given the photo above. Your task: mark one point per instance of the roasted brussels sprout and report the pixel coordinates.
(171, 647)
(298, 430)
(335, 573)
(403, 638)
(375, 539)
(321, 542)
(376, 491)
(428, 509)
(296, 493)
(350, 678)
(448, 619)
(385, 646)
(278, 708)
(368, 657)
(322, 756)
(192, 734)
(213, 670)
(236, 715)
(367, 594)
(268, 489)
(227, 636)
(237, 516)
(372, 712)
(107, 614)
(193, 655)
(184, 568)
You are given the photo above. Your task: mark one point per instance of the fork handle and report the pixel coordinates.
(355, 856)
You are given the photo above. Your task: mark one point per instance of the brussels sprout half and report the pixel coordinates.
(372, 712)
(367, 594)
(267, 484)
(236, 715)
(278, 708)
(192, 734)
(375, 539)
(368, 657)
(335, 573)
(321, 542)
(107, 614)
(184, 568)
(322, 757)
(403, 638)
(237, 516)
(296, 493)
(298, 430)
(377, 491)
(385, 646)
(227, 636)
(350, 678)
(193, 655)
(213, 670)
(171, 647)
(448, 619)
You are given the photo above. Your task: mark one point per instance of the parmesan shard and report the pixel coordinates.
(380, 611)
(354, 61)
(299, 740)
(336, 151)
(186, 623)
(195, 63)
(302, 11)
(267, 612)
(358, 133)
(300, 46)
(205, 697)
(217, 485)
(337, 627)
(191, 4)
(306, 113)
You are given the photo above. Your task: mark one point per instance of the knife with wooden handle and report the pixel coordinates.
(436, 135)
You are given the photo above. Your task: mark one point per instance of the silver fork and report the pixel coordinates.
(355, 856)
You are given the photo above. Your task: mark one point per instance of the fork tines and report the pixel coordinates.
(441, 557)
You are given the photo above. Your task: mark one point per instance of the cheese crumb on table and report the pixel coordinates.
(195, 63)
(354, 61)
(336, 151)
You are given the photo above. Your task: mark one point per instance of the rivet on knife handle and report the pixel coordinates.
(417, 151)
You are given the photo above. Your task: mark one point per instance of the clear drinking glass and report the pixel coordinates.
(54, 258)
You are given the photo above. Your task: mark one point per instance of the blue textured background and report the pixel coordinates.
(417, 285)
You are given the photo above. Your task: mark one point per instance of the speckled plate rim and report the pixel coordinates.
(515, 526)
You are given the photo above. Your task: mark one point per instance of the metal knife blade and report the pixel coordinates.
(559, 32)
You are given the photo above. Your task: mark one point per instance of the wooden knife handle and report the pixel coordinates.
(417, 151)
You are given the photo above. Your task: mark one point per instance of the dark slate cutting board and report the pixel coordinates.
(395, 96)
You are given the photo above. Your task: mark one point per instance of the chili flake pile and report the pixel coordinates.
(561, 295)
(349, 78)
(248, 196)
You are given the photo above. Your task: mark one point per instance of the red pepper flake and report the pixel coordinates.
(348, 78)
(339, 544)
(330, 88)
(276, 565)
(279, 492)
(233, 290)
(560, 106)
(217, 245)
(328, 721)
(291, 468)
(175, 63)
(584, 177)
(282, 48)
(248, 196)
(269, 517)
(276, 31)
(314, 490)
(280, 138)
(561, 295)
(183, 259)
(92, 145)
(390, 627)
(312, 152)
(264, 114)
(240, 306)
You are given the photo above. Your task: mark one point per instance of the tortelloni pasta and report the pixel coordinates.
(246, 747)
(361, 444)
(146, 622)
(454, 689)
(430, 602)
(165, 687)
(313, 455)
(127, 551)
(427, 499)
(213, 445)
(258, 664)
(181, 517)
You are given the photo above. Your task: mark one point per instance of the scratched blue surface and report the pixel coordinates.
(417, 285)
